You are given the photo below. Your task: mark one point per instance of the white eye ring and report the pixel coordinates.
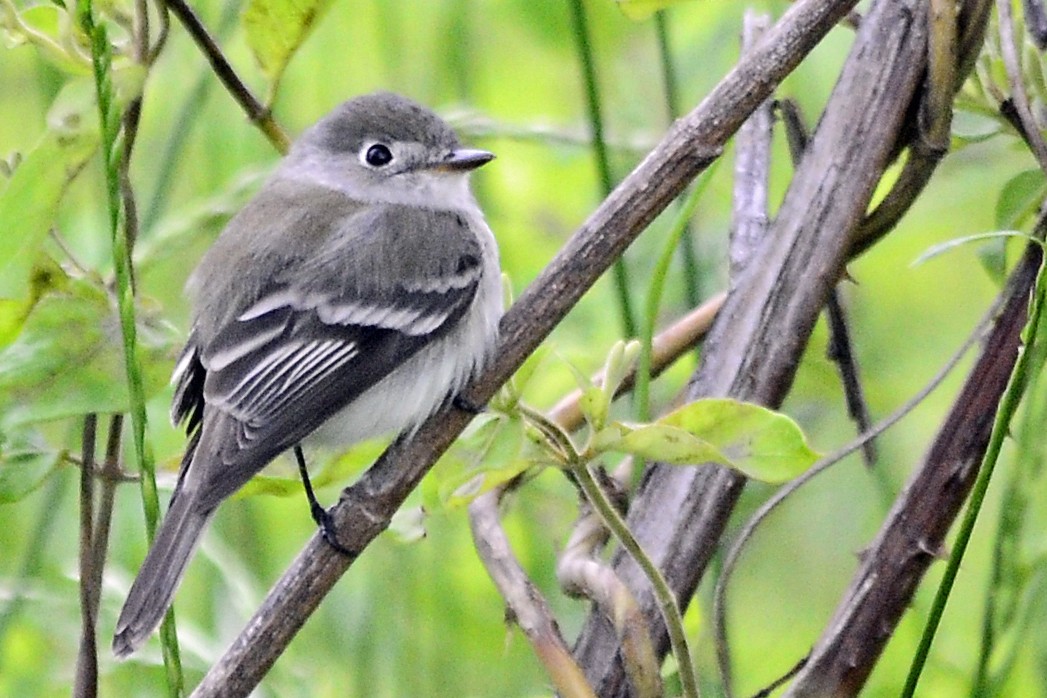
(376, 155)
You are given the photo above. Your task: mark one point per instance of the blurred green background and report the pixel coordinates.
(422, 618)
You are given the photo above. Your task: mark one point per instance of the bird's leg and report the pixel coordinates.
(320, 515)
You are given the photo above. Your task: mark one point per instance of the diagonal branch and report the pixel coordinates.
(365, 508)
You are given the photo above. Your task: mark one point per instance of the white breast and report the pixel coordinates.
(411, 393)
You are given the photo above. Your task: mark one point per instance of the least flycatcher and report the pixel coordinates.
(351, 298)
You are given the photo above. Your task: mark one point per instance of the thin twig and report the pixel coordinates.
(747, 531)
(528, 607)
(781, 680)
(110, 475)
(752, 167)
(258, 113)
(841, 352)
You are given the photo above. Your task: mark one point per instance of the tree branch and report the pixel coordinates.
(365, 508)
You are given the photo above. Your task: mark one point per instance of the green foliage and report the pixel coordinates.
(758, 442)
(24, 466)
(275, 30)
(67, 360)
(29, 201)
(1020, 198)
(513, 68)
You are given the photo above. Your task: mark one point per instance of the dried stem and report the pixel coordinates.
(86, 683)
(528, 608)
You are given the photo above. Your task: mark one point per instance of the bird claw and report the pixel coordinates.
(329, 531)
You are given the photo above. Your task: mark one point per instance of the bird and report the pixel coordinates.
(353, 297)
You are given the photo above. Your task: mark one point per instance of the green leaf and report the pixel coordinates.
(620, 360)
(660, 442)
(761, 443)
(272, 485)
(29, 202)
(506, 398)
(595, 405)
(970, 127)
(758, 442)
(281, 478)
(992, 255)
(276, 29)
(935, 250)
(23, 468)
(51, 29)
(45, 276)
(68, 358)
(1020, 198)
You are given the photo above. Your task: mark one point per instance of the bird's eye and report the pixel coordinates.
(378, 155)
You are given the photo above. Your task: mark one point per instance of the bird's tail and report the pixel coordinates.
(157, 580)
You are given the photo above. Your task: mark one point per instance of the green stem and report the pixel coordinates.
(603, 164)
(656, 290)
(1008, 576)
(664, 595)
(1008, 405)
(691, 273)
(112, 152)
(578, 465)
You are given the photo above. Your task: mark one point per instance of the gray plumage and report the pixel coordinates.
(349, 299)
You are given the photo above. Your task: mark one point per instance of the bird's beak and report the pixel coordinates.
(463, 160)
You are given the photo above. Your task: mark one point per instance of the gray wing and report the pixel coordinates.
(319, 335)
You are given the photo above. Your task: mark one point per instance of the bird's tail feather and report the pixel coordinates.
(157, 580)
